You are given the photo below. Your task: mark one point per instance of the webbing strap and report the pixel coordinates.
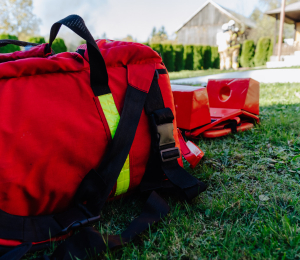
(17, 253)
(112, 117)
(16, 42)
(89, 242)
(157, 168)
(41, 228)
(98, 72)
(115, 157)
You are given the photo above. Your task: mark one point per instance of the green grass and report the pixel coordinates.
(251, 209)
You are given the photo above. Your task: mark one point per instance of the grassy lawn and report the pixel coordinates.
(251, 209)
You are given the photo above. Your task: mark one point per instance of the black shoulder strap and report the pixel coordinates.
(17, 253)
(97, 185)
(164, 154)
(89, 242)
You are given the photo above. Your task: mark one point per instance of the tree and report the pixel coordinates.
(158, 36)
(273, 4)
(168, 56)
(128, 38)
(178, 57)
(17, 18)
(262, 51)
(265, 24)
(39, 40)
(59, 46)
(248, 52)
(189, 57)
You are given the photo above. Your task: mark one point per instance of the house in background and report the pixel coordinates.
(202, 28)
(290, 53)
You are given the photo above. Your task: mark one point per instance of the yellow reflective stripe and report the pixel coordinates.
(112, 117)
(110, 111)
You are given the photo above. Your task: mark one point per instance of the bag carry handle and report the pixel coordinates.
(98, 72)
(16, 42)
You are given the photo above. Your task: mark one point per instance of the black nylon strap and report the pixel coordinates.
(16, 42)
(40, 228)
(98, 75)
(233, 126)
(106, 176)
(178, 179)
(89, 242)
(17, 253)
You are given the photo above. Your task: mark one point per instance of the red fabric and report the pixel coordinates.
(52, 130)
(38, 51)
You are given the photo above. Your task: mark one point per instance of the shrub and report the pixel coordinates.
(271, 49)
(215, 58)
(206, 50)
(262, 51)
(59, 46)
(10, 47)
(157, 47)
(178, 57)
(146, 43)
(39, 40)
(189, 57)
(247, 55)
(198, 57)
(168, 56)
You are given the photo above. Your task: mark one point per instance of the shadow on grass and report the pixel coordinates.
(251, 209)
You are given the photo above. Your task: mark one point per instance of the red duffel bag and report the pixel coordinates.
(78, 129)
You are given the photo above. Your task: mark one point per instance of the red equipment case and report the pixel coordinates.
(191, 105)
(233, 104)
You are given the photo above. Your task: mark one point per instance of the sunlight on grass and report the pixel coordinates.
(251, 209)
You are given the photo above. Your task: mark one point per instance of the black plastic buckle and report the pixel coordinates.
(80, 223)
(170, 154)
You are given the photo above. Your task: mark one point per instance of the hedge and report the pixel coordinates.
(262, 51)
(206, 50)
(271, 49)
(10, 47)
(188, 57)
(59, 46)
(215, 58)
(247, 56)
(39, 40)
(157, 47)
(198, 57)
(168, 56)
(178, 57)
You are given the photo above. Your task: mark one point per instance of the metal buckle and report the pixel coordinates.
(169, 150)
(80, 223)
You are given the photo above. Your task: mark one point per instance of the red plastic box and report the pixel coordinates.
(191, 105)
(234, 94)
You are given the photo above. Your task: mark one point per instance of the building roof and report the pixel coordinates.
(292, 13)
(231, 15)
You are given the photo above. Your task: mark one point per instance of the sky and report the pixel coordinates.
(119, 18)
